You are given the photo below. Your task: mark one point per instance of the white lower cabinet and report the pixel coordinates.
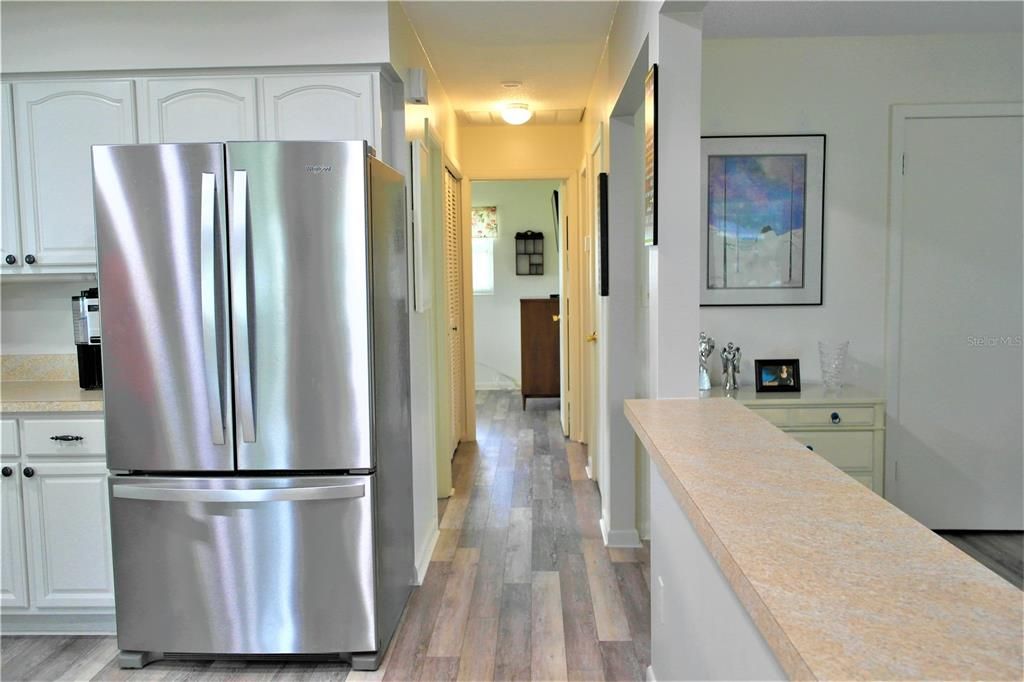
(56, 569)
(13, 575)
(67, 521)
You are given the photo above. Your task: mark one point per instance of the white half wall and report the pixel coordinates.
(844, 88)
(522, 205)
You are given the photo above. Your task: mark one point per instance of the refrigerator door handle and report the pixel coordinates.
(160, 494)
(208, 288)
(240, 304)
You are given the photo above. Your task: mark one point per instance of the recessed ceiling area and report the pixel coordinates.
(552, 47)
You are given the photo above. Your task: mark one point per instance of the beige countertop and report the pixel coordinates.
(841, 584)
(48, 396)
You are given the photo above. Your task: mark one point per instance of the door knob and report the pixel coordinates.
(6, 471)
(555, 318)
(11, 259)
(30, 259)
(29, 472)
(592, 338)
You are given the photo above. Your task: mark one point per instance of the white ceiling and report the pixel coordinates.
(552, 47)
(745, 19)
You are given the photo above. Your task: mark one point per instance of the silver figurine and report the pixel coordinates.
(730, 367)
(705, 346)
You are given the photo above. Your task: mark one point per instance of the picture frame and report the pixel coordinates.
(762, 220)
(777, 375)
(422, 237)
(650, 204)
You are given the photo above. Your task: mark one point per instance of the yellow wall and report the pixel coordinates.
(501, 152)
(406, 53)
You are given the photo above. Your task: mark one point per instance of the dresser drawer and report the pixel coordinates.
(844, 449)
(9, 438)
(832, 416)
(47, 437)
(867, 480)
(776, 415)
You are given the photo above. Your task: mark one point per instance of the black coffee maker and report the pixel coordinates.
(85, 310)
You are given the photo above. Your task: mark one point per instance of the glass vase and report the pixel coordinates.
(833, 363)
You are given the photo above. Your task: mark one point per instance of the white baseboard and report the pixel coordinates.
(590, 474)
(423, 560)
(67, 624)
(496, 386)
(650, 674)
(625, 539)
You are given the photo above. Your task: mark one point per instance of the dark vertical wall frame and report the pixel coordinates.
(651, 157)
(602, 184)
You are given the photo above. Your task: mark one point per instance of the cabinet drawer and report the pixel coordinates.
(844, 449)
(867, 480)
(9, 438)
(39, 436)
(823, 416)
(776, 415)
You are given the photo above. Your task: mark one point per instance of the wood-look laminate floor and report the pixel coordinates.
(1002, 552)
(520, 586)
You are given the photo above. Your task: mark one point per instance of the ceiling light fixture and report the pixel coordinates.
(516, 114)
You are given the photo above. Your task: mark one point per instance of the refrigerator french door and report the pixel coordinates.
(257, 404)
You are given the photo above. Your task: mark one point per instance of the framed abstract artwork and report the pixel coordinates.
(762, 207)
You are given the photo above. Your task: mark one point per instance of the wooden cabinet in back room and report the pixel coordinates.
(538, 328)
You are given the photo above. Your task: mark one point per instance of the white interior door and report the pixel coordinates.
(954, 434)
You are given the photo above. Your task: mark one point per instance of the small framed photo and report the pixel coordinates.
(777, 376)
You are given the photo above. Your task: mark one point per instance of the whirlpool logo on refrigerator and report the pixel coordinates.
(317, 169)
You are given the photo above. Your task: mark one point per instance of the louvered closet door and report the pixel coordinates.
(453, 289)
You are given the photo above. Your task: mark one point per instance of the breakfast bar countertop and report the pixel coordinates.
(840, 583)
(48, 396)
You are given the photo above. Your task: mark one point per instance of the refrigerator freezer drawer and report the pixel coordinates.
(244, 565)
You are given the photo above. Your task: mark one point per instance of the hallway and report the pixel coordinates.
(521, 585)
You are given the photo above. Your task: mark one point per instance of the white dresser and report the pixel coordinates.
(846, 428)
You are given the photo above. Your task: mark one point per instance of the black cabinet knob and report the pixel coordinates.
(30, 259)
(67, 439)
(11, 259)
(811, 448)
(29, 472)
(6, 471)
(835, 418)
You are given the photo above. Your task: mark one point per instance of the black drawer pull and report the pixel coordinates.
(811, 448)
(835, 418)
(67, 439)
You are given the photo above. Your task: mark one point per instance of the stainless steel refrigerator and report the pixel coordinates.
(256, 376)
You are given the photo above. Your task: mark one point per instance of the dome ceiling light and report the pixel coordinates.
(516, 113)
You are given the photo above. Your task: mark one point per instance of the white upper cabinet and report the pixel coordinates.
(10, 239)
(198, 110)
(56, 123)
(321, 107)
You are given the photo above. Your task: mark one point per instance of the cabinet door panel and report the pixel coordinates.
(10, 240)
(9, 438)
(56, 124)
(321, 107)
(199, 110)
(68, 527)
(13, 581)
